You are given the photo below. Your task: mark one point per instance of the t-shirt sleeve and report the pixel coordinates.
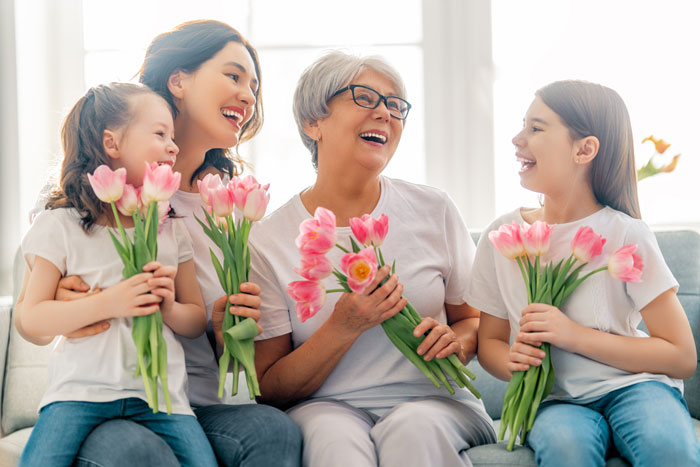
(46, 238)
(274, 312)
(484, 291)
(185, 251)
(656, 275)
(460, 250)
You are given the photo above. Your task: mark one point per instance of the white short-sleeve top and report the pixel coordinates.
(600, 302)
(101, 368)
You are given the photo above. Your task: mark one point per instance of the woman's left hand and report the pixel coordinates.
(245, 304)
(439, 343)
(546, 323)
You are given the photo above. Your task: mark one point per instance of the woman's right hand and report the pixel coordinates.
(131, 297)
(523, 355)
(358, 312)
(73, 288)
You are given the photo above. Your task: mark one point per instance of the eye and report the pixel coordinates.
(160, 133)
(536, 129)
(233, 76)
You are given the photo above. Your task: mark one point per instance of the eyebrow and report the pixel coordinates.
(536, 120)
(240, 67)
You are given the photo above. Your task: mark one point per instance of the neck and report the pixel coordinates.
(563, 209)
(346, 196)
(191, 154)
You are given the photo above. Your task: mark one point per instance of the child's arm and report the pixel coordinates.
(496, 354)
(43, 316)
(669, 349)
(182, 306)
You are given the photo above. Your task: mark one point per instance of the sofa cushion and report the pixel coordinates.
(26, 376)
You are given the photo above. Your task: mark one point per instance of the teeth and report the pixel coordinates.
(374, 135)
(231, 113)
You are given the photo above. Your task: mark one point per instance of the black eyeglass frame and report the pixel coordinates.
(382, 98)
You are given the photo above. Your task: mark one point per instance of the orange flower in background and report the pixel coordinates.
(660, 144)
(649, 169)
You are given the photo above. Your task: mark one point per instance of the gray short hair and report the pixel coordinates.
(323, 78)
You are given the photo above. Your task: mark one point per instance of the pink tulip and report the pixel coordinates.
(208, 183)
(310, 297)
(586, 244)
(256, 204)
(159, 183)
(129, 202)
(221, 200)
(317, 235)
(360, 268)
(107, 184)
(368, 230)
(242, 187)
(314, 267)
(626, 265)
(507, 240)
(536, 237)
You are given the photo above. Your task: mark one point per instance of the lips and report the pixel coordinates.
(375, 136)
(526, 163)
(234, 115)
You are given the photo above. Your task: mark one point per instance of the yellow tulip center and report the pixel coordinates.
(360, 270)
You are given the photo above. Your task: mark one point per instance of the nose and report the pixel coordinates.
(172, 148)
(247, 96)
(381, 112)
(518, 139)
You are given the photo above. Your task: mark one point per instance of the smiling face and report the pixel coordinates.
(218, 98)
(546, 151)
(353, 135)
(148, 137)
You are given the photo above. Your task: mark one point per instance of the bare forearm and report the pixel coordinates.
(493, 356)
(36, 340)
(636, 354)
(466, 331)
(186, 319)
(52, 318)
(302, 371)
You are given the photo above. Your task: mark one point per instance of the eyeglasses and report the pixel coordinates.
(370, 99)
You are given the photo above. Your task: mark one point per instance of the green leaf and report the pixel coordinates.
(355, 247)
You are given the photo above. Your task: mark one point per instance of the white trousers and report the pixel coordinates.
(428, 431)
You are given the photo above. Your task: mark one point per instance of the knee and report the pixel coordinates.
(408, 423)
(660, 447)
(281, 428)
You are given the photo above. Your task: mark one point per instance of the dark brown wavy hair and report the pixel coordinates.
(104, 107)
(589, 109)
(186, 48)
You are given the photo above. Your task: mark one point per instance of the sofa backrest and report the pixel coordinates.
(681, 250)
(26, 374)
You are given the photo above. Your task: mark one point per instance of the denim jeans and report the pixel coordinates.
(63, 426)
(648, 423)
(242, 435)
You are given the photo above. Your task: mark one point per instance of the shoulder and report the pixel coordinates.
(621, 222)
(415, 191)
(279, 224)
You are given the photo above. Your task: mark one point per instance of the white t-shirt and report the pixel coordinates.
(202, 365)
(101, 368)
(600, 302)
(433, 252)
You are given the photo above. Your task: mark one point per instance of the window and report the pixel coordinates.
(645, 50)
(288, 38)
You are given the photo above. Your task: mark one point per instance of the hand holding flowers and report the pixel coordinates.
(361, 275)
(542, 322)
(231, 236)
(147, 206)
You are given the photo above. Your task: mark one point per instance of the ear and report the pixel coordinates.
(587, 149)
(176, 83)
(313, 131)
(110, 143)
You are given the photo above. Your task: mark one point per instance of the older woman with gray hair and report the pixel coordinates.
(357, 399)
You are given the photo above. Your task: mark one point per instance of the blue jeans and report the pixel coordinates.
(63, 426)
(648, 423)
(242, 435)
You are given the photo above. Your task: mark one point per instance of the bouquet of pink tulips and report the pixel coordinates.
(358, 269)
(147, 206)
(551, 285)
(231, 236)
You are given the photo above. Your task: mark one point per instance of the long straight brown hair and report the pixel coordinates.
(186, 48)
(589, 109)
(104, 107)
